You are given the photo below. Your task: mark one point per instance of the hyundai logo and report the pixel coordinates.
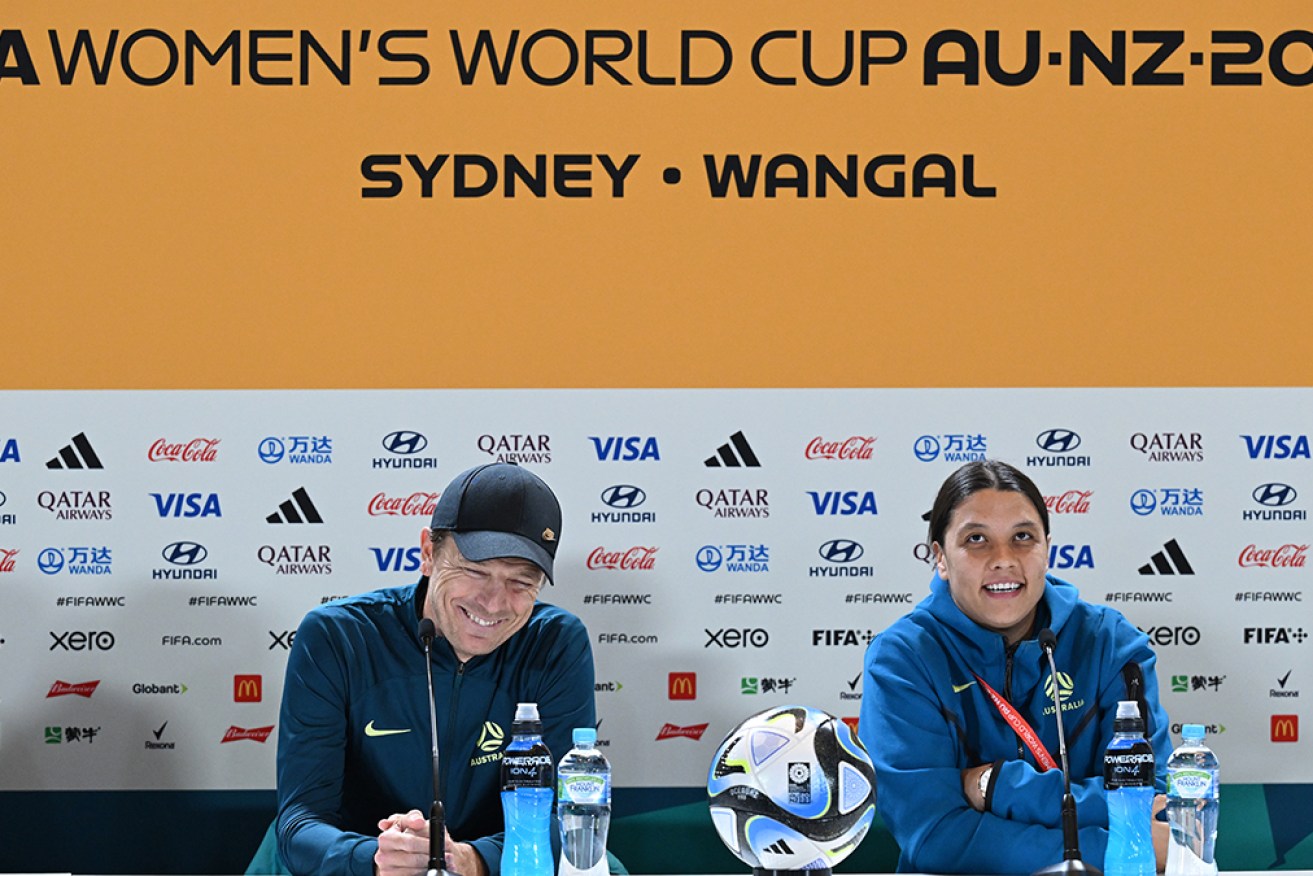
(2, 499)
(1143, 502)
(271, 450)
(709, 558)
(1273, 495)
(841, 550)
(623, 496)
(405, 443)
(184, 553)
(50, 560)
(1058, 440)
(926, 448)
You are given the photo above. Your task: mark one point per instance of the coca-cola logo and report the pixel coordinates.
(1287, 556)
(637, 559)
(414, 505)
(64, 689)
(195, 450)
(7, 559)
(856, 447)
(673, 731)
(1070, 502)
(255, 734)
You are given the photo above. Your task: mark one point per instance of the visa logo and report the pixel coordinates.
(1277, 446)
(845, 503)
(10, 451)
(625, 449)
(397, 559)
(187, 504)
(1070, 556)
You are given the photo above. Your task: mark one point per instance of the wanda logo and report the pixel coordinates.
(195, 450)
(1070, 502)
(414, 505)
(638, 559)
(856, 447)
(255, 734)
(1288, 556)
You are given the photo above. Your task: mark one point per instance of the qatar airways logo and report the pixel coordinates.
(634, 559)
(855, 448)
(1070, 502)
(255, 734)
(414, 505)
(1287, 556)
(195, 450)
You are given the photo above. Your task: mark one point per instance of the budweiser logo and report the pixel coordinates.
(1070, 502)
(670, 731)
(414, 505)
(259, 734)
(856, 447)
(7, 559)
(195, 450)
(635, 559)
(64, 689)
(1288, 556)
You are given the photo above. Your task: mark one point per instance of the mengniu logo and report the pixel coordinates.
(255, 734)
(248, 688)
(297, 450)
(682, 686)
(8, 556)
(952, 447)
(9, 450)
(1285, 728)
(626, 448)
(1057, 445)
(491, 737)
(78, 454)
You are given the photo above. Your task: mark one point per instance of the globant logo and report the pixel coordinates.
(841, 556)
(297, 450)
(76, 504)
(635, 559)
(1275, 499)
(517, 448)
(1276, 446)
(255, 734)
(1071, 556)
(414, 505)
(1169, 446)
(297, 559)
(76, 561)
(1059, 445)
(405, 448)
(183, 557)
(195, 450)
(1169, 502)
(856, 448)
(734, 558)
(953, 447)
(732, 502)
(1287, 556)
(1070, 502)
(843, 503)
(622, 499)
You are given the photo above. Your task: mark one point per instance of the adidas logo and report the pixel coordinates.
(77, 454)
(298, 509)
(1168, 561)
(727, 457)
(779, 847)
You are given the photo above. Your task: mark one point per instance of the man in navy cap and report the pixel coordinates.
(354, 747)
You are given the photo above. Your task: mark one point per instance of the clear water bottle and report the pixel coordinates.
(527, 781)
(1128, 779)
(583, 804)
(1192, 800)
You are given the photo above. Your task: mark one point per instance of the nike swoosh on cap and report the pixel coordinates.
(958, 688)
(370, 730)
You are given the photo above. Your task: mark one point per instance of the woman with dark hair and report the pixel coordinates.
(953, 690)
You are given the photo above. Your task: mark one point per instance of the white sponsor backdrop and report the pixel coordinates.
(1233, 649)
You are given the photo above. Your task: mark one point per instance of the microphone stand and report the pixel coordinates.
(1071, 860)
(437, 816)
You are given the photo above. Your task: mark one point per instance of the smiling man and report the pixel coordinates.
(353, 748)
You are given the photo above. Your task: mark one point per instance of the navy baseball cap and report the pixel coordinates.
(499, 511)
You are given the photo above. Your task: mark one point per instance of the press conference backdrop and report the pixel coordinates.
(728, 550)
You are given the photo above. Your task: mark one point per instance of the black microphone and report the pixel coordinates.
(437, 818)
(1071, 860)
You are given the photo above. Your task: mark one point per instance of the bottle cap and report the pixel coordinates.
(584, 737)
(1128, 718)
(1127, 709)
(526, 712)
(1192, 731)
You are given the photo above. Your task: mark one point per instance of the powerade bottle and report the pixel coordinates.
(1128, 779)
(527, 783)
(1192, 801)
(583, 805)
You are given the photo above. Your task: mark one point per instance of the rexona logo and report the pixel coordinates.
(672, 731)
(754, 503)
(734, 558)
(76, 504)
(841, 556)
(1169, 502)
(78, 454)
(404, 448)
(1285, 728)
(1165, 636)
(8, 556)
(843, 503)
(187, 504)
(738, 453)
(635, 559)
(1276, 446)
(9, 450)
(195, 450)
(744, 637)
(248, 688)
(1169, 446)
(298, 509)
(296, 450)
(255, 734)
(1071, 556)
(1275, 635)
(1168, 561)
(297, 559)
(1070, 502)
(397, 559)
(954, 447)
(414, 505)
(1287, 556)
(682, 686)
(64, 689)
(516, 447)
(76, 561)
(855, 448)
(623, 500)
(1281, 692)
(1275, 499)
(1059, 446)
(841, 638)
(626, 448)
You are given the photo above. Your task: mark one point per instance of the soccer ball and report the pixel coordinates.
(791, 789)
